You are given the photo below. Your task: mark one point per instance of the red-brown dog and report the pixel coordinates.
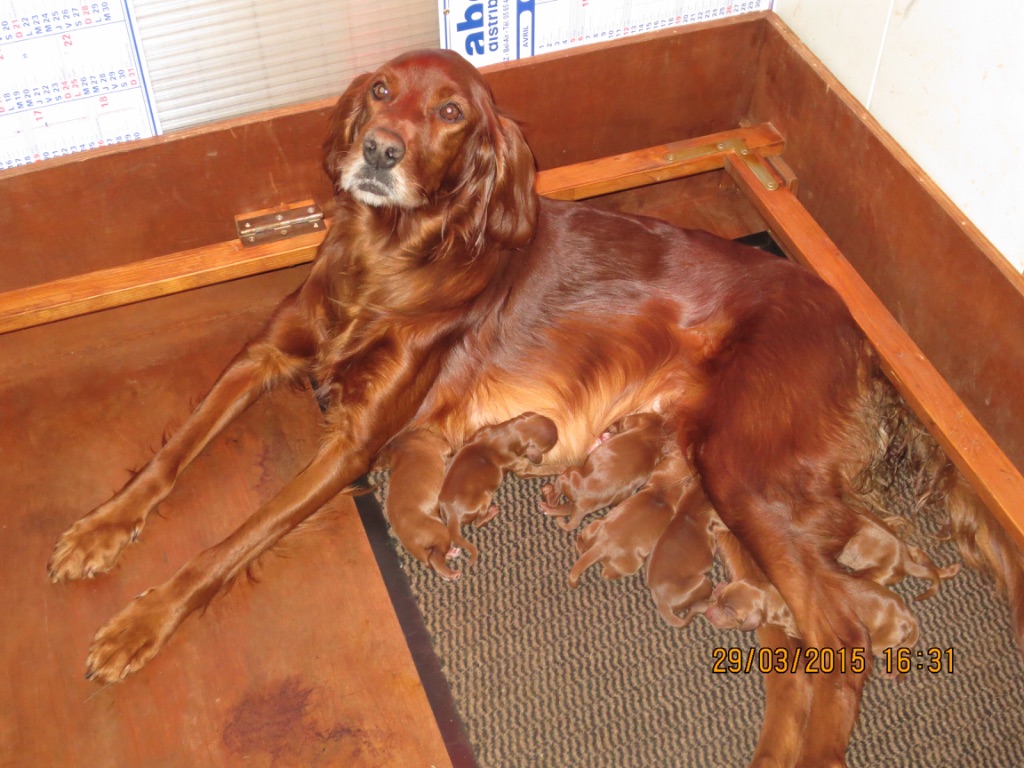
(875, 552)
(622, 539)
(611, 472)
(480, 465)
(677, 569)
(417, 459)
(447, 295)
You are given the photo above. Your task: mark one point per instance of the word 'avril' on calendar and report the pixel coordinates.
(72, 77)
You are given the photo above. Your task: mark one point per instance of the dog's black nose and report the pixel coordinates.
(383, 149)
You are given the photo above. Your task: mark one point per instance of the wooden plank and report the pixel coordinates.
(965, 441)
(149, 279)
(168, 194)
(654, 164)
(164, 275)
(619, 95)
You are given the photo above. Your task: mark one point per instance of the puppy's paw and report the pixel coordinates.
(549, 495)
(131, 638)
(91, 546)
(490, 513)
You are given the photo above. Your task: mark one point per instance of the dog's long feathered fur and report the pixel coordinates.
(447, 296)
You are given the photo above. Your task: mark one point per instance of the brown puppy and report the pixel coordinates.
(889, 621)
(746, 605)
(417, 460)
(875, 552)
(480, 465)
(677, 569)
(622, 539)
(751, 604)
(611, 472)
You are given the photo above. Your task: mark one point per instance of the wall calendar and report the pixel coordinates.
(72, 77)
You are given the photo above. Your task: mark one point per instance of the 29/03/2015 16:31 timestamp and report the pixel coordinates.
(892, 661)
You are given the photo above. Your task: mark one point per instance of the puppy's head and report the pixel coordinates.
(535, 436)
(736, 605)
(422, 132)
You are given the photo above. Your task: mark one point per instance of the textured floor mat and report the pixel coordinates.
(545, 676)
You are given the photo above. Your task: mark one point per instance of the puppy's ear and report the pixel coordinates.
(752, 621)
(348, 116)
(534, 453)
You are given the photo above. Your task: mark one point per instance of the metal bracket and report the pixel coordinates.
(757, 164)
(267, 226)
(735, 148)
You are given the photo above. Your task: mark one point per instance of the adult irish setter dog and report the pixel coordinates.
(448, 296)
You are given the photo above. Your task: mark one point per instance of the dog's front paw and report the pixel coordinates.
(91, 546)
(131, 638)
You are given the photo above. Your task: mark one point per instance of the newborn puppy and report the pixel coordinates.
(746, 605)
(622, 539)
(677, 569)
(480, 465)
(611, 472)
(417, 460)
(887, 618)
(875, 552)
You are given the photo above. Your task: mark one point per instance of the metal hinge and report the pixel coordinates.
(278, 224)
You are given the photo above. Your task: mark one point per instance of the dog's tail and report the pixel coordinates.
(985, 545)
(908, 464)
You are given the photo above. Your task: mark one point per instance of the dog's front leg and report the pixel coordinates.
(385, 386)
(139, 631)
(92, 545)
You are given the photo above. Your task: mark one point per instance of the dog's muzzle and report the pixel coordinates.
(375, 178)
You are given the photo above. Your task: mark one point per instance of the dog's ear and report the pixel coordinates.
(494, 202)
(348, 116)
(512, 209)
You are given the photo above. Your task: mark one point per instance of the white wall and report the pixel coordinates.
(946, 79)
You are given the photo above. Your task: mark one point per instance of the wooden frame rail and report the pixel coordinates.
(968, 445)
(220, 262)
(740, 152)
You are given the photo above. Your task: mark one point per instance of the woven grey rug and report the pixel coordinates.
(549, 677)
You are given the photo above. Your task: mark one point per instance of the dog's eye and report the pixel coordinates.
(451, 112)
(380, 91)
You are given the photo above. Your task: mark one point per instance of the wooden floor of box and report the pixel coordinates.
(309, 669)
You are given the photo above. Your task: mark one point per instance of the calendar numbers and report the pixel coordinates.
(71, 79)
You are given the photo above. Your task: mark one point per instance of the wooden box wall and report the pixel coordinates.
(953, 292)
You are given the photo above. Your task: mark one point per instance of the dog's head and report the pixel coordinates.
(422, 133)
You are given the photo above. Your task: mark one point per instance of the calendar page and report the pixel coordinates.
(72, 77)
(491, 31)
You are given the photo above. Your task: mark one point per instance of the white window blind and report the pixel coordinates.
(218, 59)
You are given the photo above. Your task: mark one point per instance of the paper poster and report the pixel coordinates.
(72, 77)
(492, 31)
